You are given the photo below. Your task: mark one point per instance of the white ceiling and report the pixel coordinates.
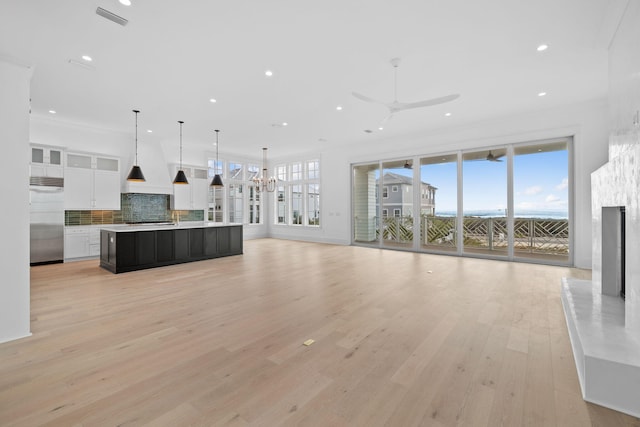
(173, 56)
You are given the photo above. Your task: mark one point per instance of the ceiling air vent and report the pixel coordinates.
(111, 16)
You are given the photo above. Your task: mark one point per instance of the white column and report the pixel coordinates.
(14, 187)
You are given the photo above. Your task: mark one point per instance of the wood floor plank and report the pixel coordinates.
(401, 339)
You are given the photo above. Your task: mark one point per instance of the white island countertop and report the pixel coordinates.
(124, 228)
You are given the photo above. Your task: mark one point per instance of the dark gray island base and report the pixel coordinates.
(130, 248)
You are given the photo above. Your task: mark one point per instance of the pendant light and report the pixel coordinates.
(181, 178)
(136, 173)
(217, 179)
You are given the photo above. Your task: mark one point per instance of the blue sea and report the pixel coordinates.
(500, 213)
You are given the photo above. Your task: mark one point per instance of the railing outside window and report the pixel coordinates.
(531, 235)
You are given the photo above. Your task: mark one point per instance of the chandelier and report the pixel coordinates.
(262, 183)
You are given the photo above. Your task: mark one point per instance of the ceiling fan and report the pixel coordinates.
(492, 158)
(396, 106)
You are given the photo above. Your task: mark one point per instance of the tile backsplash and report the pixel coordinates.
(139, 207)
(134, 207)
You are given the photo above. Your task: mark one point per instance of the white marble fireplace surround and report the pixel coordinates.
(604, 328)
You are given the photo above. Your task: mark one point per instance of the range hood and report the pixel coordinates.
(154, 166)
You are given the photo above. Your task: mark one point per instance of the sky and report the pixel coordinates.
(540, 184)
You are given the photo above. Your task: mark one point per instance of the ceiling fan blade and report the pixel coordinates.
(429, 102)
(366, 98)
(386, 119)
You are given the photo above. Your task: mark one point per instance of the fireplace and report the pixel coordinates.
(623, 256)
(613, 266)
(603, 314)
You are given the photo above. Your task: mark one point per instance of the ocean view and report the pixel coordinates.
(498, 213)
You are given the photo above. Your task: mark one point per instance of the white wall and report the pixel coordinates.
(624, 74)
(587, 123)
(14, 247)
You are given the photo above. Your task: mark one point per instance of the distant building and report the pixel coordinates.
(397, 196)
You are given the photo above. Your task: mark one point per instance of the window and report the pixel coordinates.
(296, 204)
(216, 195)
(281, 173)
(297, 200)
(313, 169)
(281, 205)
(439, 176)
(254, 196)
(296, 171)
(510, 202)
(237, 202)
(236, 171)
(313, 204)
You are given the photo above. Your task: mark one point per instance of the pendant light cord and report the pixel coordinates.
(181, 122)
(136, 111)
(217, 130)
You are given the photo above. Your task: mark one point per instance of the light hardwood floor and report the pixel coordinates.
(401, 339)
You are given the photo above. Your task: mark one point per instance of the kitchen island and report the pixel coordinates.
(135, 247)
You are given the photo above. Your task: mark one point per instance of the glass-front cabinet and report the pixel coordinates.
(46, 162)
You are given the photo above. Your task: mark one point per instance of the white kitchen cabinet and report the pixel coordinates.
(76, 242)
(192, 196)
(78, 189)
(94, 241)
(81, 242)
(92, 182)
(46, 161)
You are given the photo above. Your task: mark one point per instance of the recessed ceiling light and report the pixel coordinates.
(52, 111)
(339, 108)
(285, 124)
(87, 58)
(380, 128)
(268, 73)
(542, 93)
(125, 2)
(542, 47)
(82, 64)
(447, 114)
(149, 131)
(213, 100)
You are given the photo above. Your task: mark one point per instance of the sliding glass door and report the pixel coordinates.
(484, 201)
(396, 204)
(505, 202)
(439, 203)
(541, 201)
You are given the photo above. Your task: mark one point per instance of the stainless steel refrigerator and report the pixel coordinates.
(47, 220)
